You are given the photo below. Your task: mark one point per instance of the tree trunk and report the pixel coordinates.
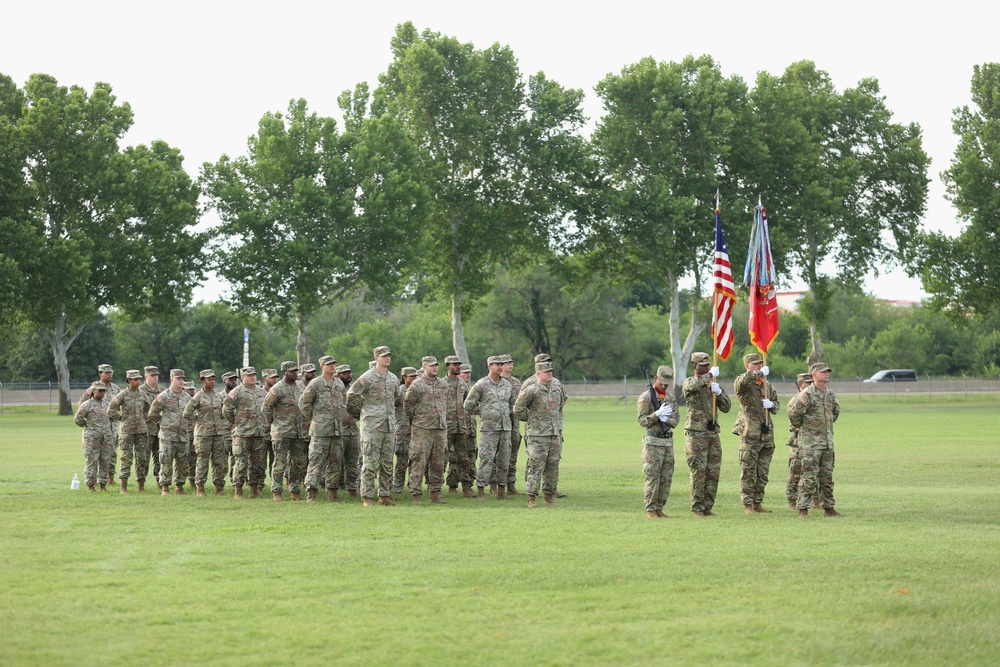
(457, 330)
(680, 353)
(302, 341)
(60, 337)
(814, 337)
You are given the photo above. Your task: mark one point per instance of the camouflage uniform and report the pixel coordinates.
(515, 439)
(152, 430)
(204, 410)
(323, 403)
(794, 460)
(130, 408)
(461, 470)
(167, 411)
(494, 403)
(227, 436)
(658, 442)
(242, 408)
(540, 405)
(92, 416)
(281, 410)
(403, 432)
(426, 406)
(702, 447)
(529, 381)
(112, 390)
(268, 444)
(756, 431)
(375, 398)
(813, 412)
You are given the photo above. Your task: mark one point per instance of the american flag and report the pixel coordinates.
(724, 294)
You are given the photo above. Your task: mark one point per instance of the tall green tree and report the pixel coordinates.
(499, 157)
(962, 274)
(311, 214)
(841, 181)
(106, 227)
(672, 134)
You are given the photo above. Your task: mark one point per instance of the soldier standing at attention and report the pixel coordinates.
(492, 398)
(374, 399)
(322, 402)
(351, 477)
(243, 408)
(130, 408)
(802, 381)
(460, 468)
(270, 378)
(530, 380)
(205, 411)
(758, 400)
(104, 375)
(92, 416)
(151, 387)
(167, 411)
(813, 413)
(507, 373)
(465, 372)
(192, 454)
(426, 406)
(281, 410)
(658, 414)
(408, 374)
(540, 405)
(702, 446)
(229, 381)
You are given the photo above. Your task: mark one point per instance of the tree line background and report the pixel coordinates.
(458, 207)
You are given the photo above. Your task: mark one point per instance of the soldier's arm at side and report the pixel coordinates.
(191, 408)
(306, 401)
(267, 408)
(521, 404)
(722, 402)
(81, 415)
(154, 410)
(471, 403)
(772, 393)
(229, 408)
(410, 400)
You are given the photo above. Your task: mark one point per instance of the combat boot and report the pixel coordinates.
(353, 493)
(531, 501)
(90, 488)
(512, 490)
(791, 504)
(747, 509)
(549, 500)
(311, 496)
(368, 502)
(559, 494)
(697, 513)
(201, 490)
(296, 495)
(815, 504)
(104, 487)
(277, 496)
(759, 508)
(386, 501)
(164, 489)
(141, 486)
(710, 513)
(650, 514)
(180, 490)
(331, 496)
(501, 493)
(436, 498)
(803, 514)
(829, 511)
(493, 488)
(218, 488)
(452, 489)
(660, 514)
(238, 491)
(482, 493)
(124, 486)
(467, 491)
(417, 499)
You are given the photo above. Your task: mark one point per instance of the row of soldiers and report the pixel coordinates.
(325, 431)
(811, 413)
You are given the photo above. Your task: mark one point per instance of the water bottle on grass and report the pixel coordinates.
(75, 484)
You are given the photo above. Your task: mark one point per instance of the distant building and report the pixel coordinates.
(790, 301)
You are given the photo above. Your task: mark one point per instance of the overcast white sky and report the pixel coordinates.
(199, 75)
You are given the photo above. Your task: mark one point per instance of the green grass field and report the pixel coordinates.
(908, 577)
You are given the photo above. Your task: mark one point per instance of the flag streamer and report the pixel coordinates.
(724, 293)
(759, 276)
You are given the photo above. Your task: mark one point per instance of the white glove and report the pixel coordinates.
(664, 418)
(714, 370)
(664, 412)
(767, 403)
(765, 370)
(716, 389)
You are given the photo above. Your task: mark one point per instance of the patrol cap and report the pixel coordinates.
(289, 366)
(308, 368)
(371, 364)
(507, 359)
(344, 368)
(98, 386)
(105, 368)
(227, 375)
(665, 373)
(326, 360)
(452, 359)
(133, 375)
(150, 370)
(189, 386)
(269, 373)
(248, 370)
(542, 357)
(408, 371)
(543, 366)
(495, 359)
(429, 361)
(819, 367)
(465, 368)
(752, 358)
(177, 373)
(381, 351)
(700, 358)
(205, 374)
(804, 377)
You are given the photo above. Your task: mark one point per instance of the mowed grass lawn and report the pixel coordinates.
(910, 576)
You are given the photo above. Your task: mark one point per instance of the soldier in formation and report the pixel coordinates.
(282, 412)
(167, 412)
(813, 412)
(322, 403)
(802, 381)
(758, 401)
(204, 411)
(374, 399)
(659, 416)
(507, 373)
(351, 477)
(461, 468)
(408, 374)
(492, 398)
(130, 409)
(92, 416)
(702, 448)
(426, 406)
(243, 408)
(152, 388)
(540, 405)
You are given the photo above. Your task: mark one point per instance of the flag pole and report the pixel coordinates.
(715, 310)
